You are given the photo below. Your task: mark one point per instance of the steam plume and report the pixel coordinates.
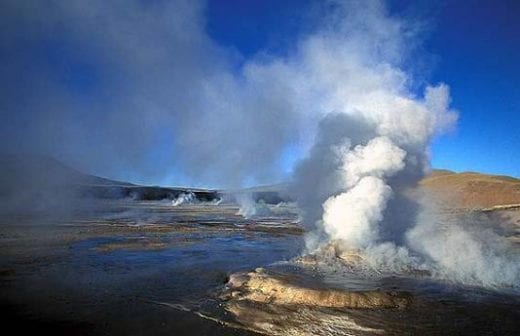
(371, 151)
(158, 92)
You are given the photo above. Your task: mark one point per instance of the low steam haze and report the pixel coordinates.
(154, 98)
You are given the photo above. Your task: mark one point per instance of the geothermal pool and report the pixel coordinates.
(147, 267)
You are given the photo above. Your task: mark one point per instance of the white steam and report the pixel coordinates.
(165, 100)
(464, 248)
(184, 198)
(248, 206)
(370, 151)
(361, 207)
(363, 202)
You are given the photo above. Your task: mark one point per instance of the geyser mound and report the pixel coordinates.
(281, 289)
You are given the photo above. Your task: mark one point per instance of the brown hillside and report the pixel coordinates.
(473, 190)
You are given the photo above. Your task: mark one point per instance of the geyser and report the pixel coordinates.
(355, 186)
(167, 98)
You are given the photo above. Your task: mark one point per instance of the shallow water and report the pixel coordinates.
(128, 267)
(55, 273)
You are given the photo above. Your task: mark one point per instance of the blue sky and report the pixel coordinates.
(478, 44)
(473, 46)
(112, 88)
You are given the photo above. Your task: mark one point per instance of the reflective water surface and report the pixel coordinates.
(136, 267)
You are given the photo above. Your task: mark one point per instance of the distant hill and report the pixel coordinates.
(473, 190)
(35, 179)
(46, 170)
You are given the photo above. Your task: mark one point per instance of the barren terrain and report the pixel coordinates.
(112, 265)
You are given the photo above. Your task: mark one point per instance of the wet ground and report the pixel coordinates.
(141, 267)
(106, 269)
